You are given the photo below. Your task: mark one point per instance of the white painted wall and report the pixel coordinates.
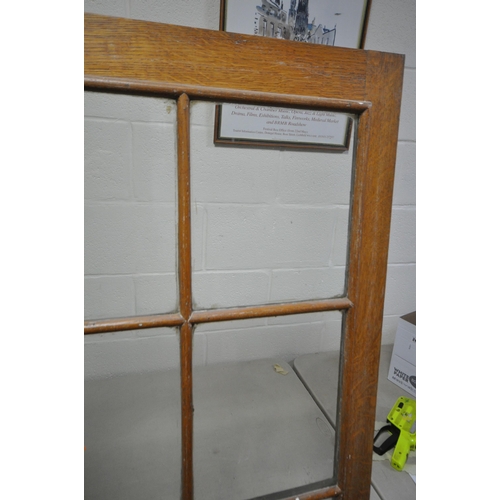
(268, 225)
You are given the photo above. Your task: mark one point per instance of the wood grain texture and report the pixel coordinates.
(152, 52)
(367, 266)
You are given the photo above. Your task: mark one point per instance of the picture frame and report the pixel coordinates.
(340, 23)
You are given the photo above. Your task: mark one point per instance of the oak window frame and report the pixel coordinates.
(153, 59)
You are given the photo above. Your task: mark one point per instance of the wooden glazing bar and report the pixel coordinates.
(185, 292)
(187, 410)
(132, 323)
(267, 311)
(221, 95)
(184, 206)
(367, 266)
(315, 491)
(322, 494)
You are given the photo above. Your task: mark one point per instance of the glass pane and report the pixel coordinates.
(257, 428)
(269, 224)
(130, 206)
(132, 415)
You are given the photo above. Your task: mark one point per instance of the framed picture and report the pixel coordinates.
(339, 23)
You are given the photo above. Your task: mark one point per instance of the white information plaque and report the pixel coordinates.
(249, 124)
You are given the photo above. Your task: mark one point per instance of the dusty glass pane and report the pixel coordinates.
(130, 206)
(257, 428)
(132, 414)
(269, 224)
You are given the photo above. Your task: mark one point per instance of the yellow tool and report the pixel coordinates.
(401, 420)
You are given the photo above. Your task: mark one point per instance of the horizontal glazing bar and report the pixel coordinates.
(270, 310)
(322, 494)
(164, 320)
(303, 493)
(173, 90)
(132, 323)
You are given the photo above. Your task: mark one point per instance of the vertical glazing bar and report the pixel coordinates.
(186, 337)
(184, 200)
(187, 411)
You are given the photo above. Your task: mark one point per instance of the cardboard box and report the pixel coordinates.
(403, 367)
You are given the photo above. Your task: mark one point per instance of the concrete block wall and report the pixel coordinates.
(268, 225)
(392, 28)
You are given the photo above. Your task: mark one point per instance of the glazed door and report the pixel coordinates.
(187, 64)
